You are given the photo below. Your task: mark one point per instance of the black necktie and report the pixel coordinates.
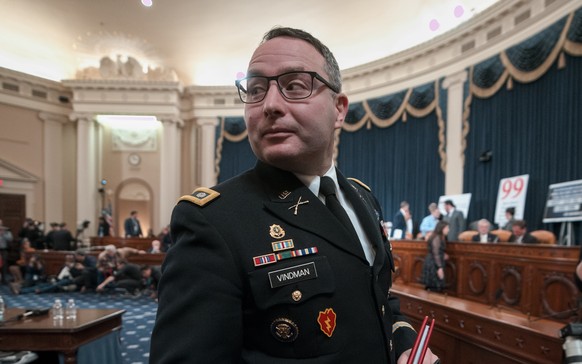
(327, 189)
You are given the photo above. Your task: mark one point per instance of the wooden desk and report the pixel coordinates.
(120, 242)
(470, 332)
(43, 334)
(55, 260)
(533, 279)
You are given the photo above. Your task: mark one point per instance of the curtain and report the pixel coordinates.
(233, 150)
(395, 145)
(532, 125)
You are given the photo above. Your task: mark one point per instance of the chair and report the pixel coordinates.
(466, 235)
(503, 235)
(544, 236)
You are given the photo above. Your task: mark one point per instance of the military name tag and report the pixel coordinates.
(297, 273)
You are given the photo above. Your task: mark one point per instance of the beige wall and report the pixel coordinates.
(21, 144)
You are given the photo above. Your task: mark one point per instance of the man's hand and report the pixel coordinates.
(429, 357)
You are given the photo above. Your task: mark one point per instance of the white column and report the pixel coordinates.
(53, 166)
(87, 194)
(170, 171)
(455, 161)
(207, 150)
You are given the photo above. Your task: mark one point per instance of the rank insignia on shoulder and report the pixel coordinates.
(326, 320)
(201, 196)
(360, 183)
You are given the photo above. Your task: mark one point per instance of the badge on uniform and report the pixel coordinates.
(291, 275)
(327, 321)
(284, 330)
(276, 231)
(282, 245)
(264, 259)
(296, 253)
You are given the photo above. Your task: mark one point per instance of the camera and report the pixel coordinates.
(572, 335)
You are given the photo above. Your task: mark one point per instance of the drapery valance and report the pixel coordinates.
(530, 59)
(384, 111)
(524, 62)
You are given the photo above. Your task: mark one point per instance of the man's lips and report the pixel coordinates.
(277, 133)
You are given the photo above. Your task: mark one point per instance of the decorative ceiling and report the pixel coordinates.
(209, 42)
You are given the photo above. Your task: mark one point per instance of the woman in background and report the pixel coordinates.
(433, 270)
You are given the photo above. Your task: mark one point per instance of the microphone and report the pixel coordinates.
(33, 313)
(497, 297)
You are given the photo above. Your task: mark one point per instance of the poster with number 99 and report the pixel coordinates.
(512, 193)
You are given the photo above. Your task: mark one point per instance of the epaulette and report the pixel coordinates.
(360, 183)
(201, 196)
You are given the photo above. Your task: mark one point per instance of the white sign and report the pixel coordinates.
(461, 202)
(512, 193)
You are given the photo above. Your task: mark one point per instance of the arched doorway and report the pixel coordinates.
(134, 194)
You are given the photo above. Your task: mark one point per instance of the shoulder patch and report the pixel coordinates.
(201, 196)
(360, 183)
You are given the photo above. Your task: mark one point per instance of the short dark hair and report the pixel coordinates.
(510, 210)
(331, 66)
(520, 223)
(450, 203)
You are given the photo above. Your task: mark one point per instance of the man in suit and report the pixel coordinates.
(484, 236)
(399, 222)
(520, 234)
(261, 269)
(456, 220)
(132, 226)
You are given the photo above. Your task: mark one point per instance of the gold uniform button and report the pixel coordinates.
(296, 295)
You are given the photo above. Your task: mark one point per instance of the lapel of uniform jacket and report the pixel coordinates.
(368, 218)
(284, 191)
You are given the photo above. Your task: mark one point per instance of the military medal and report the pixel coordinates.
(264, 259)
(326, 321)
(282, 245)
(296, 253)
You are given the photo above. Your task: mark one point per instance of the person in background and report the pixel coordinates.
(17, 267)
(510, 217)
(433, 269)
(126, 276)
(103, 227)
(484, 235)
(430, 221)
(165, 238)
(62, 239)
(456, 220)
(520, 234)
(240, 284)
(5, 240)
(132, 226)
(156, 247)
(84, 271)
(151, 278)
(399, 222)
(32, 230)
(34, 275)
(578, 272)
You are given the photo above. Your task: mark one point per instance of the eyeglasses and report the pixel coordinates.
(292, 85)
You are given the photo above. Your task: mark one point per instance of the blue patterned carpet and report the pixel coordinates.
(138, 320)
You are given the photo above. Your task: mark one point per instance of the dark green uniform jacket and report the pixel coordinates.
(255, 276)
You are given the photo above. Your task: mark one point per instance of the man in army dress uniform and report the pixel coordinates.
(261, 270)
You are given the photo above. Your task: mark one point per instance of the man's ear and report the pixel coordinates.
(341, 105)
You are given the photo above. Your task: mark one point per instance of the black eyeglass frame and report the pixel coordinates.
(314, 75)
